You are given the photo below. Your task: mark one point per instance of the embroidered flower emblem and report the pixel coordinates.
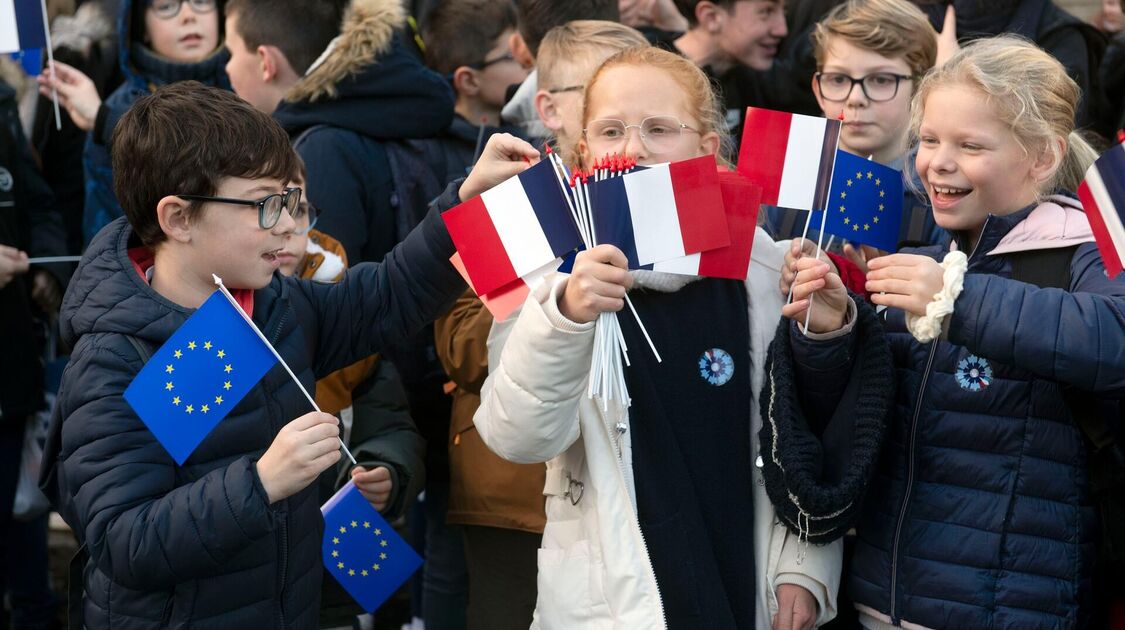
(973, 373)
(716, 366)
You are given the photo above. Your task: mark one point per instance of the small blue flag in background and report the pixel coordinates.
(865, 204)
(193, 381)
(365, 554)
(21, 25)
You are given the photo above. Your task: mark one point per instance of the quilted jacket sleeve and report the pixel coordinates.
(377, 304)
(1072, 337)
(119, 486)
(529, 404)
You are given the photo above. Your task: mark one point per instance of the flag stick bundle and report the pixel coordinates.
(607, 372)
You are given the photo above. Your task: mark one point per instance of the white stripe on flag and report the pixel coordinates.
(684, 265)
(652, 209)
(517, 226)
(9, 31)
(1107, 209)
(802, 162)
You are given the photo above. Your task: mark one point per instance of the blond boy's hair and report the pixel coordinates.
(568, 50)
(891, 28)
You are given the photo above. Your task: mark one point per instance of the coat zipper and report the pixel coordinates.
(616, 445)
(895, 617)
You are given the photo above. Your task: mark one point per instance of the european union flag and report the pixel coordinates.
(365, 554)
(198, 375)
(865, 205)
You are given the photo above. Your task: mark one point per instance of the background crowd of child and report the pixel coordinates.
(527, 500)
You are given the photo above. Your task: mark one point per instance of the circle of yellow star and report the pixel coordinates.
(367, 524)
(176, 400)
(363, 572)
(355, 524)
(221, 354)
(343, 530)
(191, 345)
(351, 571)
(178, 354)
(226, 384)
(189, 409)
(378, 532)
(206, 345)
(168, 386)
(205, 409)
(335, 554)
(218, 400)
(382, 543)
(335, 541)
(228, 368)
(382, 556)
(375, 566)
(169, 369)
(339, 565)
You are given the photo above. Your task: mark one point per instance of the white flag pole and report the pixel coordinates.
(254, 327)
(51, 64)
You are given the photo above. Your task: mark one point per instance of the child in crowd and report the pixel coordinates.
(534, 19)
(655, 515)
(979, 514)
(375, 423)
(568, 57)
(161, 41)
(232, 536)
(469, 43)
(733, 41)
(870, 56)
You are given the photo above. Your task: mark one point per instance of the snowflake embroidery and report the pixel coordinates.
(716, 366)
(973, 373)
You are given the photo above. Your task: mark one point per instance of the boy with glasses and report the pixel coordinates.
(468, 42)
(230, 538)
(870, 55)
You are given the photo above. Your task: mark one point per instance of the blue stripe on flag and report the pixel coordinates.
(1110, 166)
(29, 22)
(546, 196)
(612, 223)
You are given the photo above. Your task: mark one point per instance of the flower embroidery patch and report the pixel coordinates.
(716, 366)
(973, 373)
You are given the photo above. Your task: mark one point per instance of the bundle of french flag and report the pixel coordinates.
(683, 217)
(1103, 197)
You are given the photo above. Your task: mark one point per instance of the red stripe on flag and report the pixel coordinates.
(699, 204)
(479, 244)
(765, 138)
(741, 199)
(1110, 256)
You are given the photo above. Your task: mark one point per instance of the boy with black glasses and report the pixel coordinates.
(230, 538)
(870, 55)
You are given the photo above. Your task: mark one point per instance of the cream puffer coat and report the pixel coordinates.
(594, 568)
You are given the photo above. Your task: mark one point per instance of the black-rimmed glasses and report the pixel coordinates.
(269, 207)
(168, 9)
(306, 209)
(495, 60)
(877, 86)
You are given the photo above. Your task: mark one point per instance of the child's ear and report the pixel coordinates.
(1047, 162)
(709, 16)
(709, 143)
(548, 111)
(271, 62)
(171, 212)
(466, 82)
(520, 51)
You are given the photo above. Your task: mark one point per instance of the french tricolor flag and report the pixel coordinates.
(741, 201)
(661, 212)
(513, 229)
(1103, 197)
(790, 156)
(509, 298)
(21, 25)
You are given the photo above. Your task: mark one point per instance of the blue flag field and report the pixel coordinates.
(865, 203)
(365, 554)
(194, 380)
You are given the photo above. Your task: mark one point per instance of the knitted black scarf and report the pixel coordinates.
(793, 458)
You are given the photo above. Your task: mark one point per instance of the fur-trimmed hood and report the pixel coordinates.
(368, 82)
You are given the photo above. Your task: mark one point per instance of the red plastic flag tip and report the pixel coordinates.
(547, 148)
(1121, 136)
(841, 116)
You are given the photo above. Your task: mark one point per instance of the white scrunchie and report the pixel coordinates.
(927, 328)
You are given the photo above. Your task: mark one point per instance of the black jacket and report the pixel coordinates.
(199, 544)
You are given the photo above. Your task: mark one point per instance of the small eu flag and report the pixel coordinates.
(865, 205)
(365, 554)
(199, 375)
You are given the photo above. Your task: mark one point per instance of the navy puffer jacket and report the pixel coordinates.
(979, 515)
(199, 544)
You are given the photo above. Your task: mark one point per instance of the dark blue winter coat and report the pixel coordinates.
(367, 92)
(199, 544)
(979, 515)
(144, 71)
